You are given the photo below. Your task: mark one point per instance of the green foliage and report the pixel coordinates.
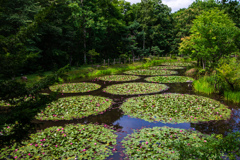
(232, 96)
(174, 143)
(175, 108)
(135, 88)
(166, 67)
(229, 70)
(58, 142)
(23, 112)
(74, 107)
(202, 85)
(74, 87)
(119, 78)
(156, 50)
(213, 35)
(178, 64)
(150, 72)
(169, 79)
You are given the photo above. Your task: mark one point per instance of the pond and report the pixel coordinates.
(125, 124)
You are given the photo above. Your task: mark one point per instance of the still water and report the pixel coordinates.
(124, 124)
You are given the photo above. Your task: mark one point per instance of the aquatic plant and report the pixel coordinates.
(150, 72)
(170, 79)
(232, 96)
(175, 108)
(203, 86)
(74, 107)
(119, 78)
(135, 88)
(177, 64)
(174, 143)
(75, 87)
(81, 141)
(166, 67)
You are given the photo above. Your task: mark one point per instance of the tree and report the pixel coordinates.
(213, 36)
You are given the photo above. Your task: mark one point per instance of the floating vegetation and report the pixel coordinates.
(170, 79)
(119, 78)
(84, 141)
(7, 129)
(74, 107)
(166, 67)
(16, 101)
(135, 88)
(175, 108)
(150, 72)
(161, 143)
(177, 64)
(75, 87)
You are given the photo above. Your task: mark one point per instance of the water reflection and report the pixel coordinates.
(125, 124)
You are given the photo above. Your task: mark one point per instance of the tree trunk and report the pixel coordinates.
(143, 40)
(85, 46)
(203, 63)
(84, 38)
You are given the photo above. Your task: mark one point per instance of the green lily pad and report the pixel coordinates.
(166, 67)
(75, 87)
(150, 72)
(135, 88)
(170, 79)
(85, 141)
(175, 108)
(74, 107)
(119, 78)
(160, 142)
(177, 64)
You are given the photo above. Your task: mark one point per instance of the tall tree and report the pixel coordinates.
(213, 35)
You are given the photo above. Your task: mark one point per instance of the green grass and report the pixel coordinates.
(232, 96)
(89, 72)
(203, 86)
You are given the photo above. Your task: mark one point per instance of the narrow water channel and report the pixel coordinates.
(125, 124)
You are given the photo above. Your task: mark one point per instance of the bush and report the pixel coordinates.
(229, 70)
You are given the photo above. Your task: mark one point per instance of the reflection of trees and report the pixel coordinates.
(220, 127)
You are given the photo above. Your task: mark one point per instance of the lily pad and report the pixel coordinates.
(84, 141)
(75, 87)
(150, 72)
(177, 64)
(135, 88)
(166, 67)
(170, 79)
(175, 108)
(74, 107)
(160, 142)
(119, 78)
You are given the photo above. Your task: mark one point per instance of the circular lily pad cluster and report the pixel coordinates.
(175, 108)
(177, 64)
(150, 72)
(119, 78)
(84, 141)
(75, 87)
(170, 79)
(166, 67)
(160, 142)
(74, 107)
(135, 88)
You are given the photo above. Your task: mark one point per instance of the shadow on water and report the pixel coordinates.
(125, 124)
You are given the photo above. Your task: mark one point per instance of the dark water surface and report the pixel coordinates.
(125, 124)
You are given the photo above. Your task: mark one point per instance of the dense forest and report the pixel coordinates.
(40, 35)
(57, 41)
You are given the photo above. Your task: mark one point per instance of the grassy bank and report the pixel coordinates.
(92, 71)
(232, 96)
(202, 85)
(209, 85)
